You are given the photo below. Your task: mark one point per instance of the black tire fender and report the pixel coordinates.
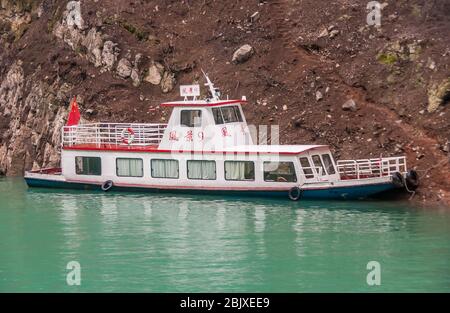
(295, 193)
(397, 179)
(107, 185)
(412, 180)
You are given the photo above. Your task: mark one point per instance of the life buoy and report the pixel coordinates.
(412, 180)
(397, 180)
(107, 185)
(130, 138)
(295, 193)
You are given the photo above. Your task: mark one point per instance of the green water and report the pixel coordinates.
(153, 243)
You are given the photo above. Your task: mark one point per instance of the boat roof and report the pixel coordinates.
(269, 149)
(200, 103)
(250, 149)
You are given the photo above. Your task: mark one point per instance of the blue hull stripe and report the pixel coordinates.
(352, 192)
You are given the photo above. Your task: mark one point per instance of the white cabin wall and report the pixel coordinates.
(208, 137)
(109, 169)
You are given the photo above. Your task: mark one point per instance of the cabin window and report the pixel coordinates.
(217, 113)
(88, 165)
(239, 170)
(191, 118)
(318, 165)
(238, 113)
(230, 114)
(129, 167)
(205, 170)
(328, 164)
(165, 168)
(282, 172)
(306, 167)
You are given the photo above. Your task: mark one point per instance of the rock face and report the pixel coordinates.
(243, 54)
(438, 94)
(32, 121)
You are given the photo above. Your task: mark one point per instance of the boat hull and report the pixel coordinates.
(337, 192)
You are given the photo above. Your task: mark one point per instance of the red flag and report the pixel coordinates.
(74, 115)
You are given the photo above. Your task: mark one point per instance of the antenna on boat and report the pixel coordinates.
(215, 93)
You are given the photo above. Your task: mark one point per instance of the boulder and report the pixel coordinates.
(243, 54)
(136, 72)
(350, 105)
(94, 44)
(167, 82)
(319, 96)
(155, 73)
(135, 77)
(124, 68)
(334, 33)
(109, 55)
(323, 33)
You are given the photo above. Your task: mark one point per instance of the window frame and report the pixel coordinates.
(194, 125)
(279, 162)
(309, 167)
(219, 110)
(142, 167)
(234, 108)
(215, 169)
(88, 157)
(324, 172)
(178, 168)
(331, 163)
(225, 171)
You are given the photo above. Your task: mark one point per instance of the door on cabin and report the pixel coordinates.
(317, 167)
(307, 172)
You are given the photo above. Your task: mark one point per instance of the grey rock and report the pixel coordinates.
(255, 16)
(167, 82)
(323, 33)
(446, 147)
(135, 77)
(243, 54)
(350, 105)
(94, 44)
(109, 55)
(319, 96)
(334, 33)
(124, 68)
(155, 73)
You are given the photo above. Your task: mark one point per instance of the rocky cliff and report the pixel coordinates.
(319, 69)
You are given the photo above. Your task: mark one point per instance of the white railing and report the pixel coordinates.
(113, 134)
(370, 168)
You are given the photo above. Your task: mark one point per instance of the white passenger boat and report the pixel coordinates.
(207, 147)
